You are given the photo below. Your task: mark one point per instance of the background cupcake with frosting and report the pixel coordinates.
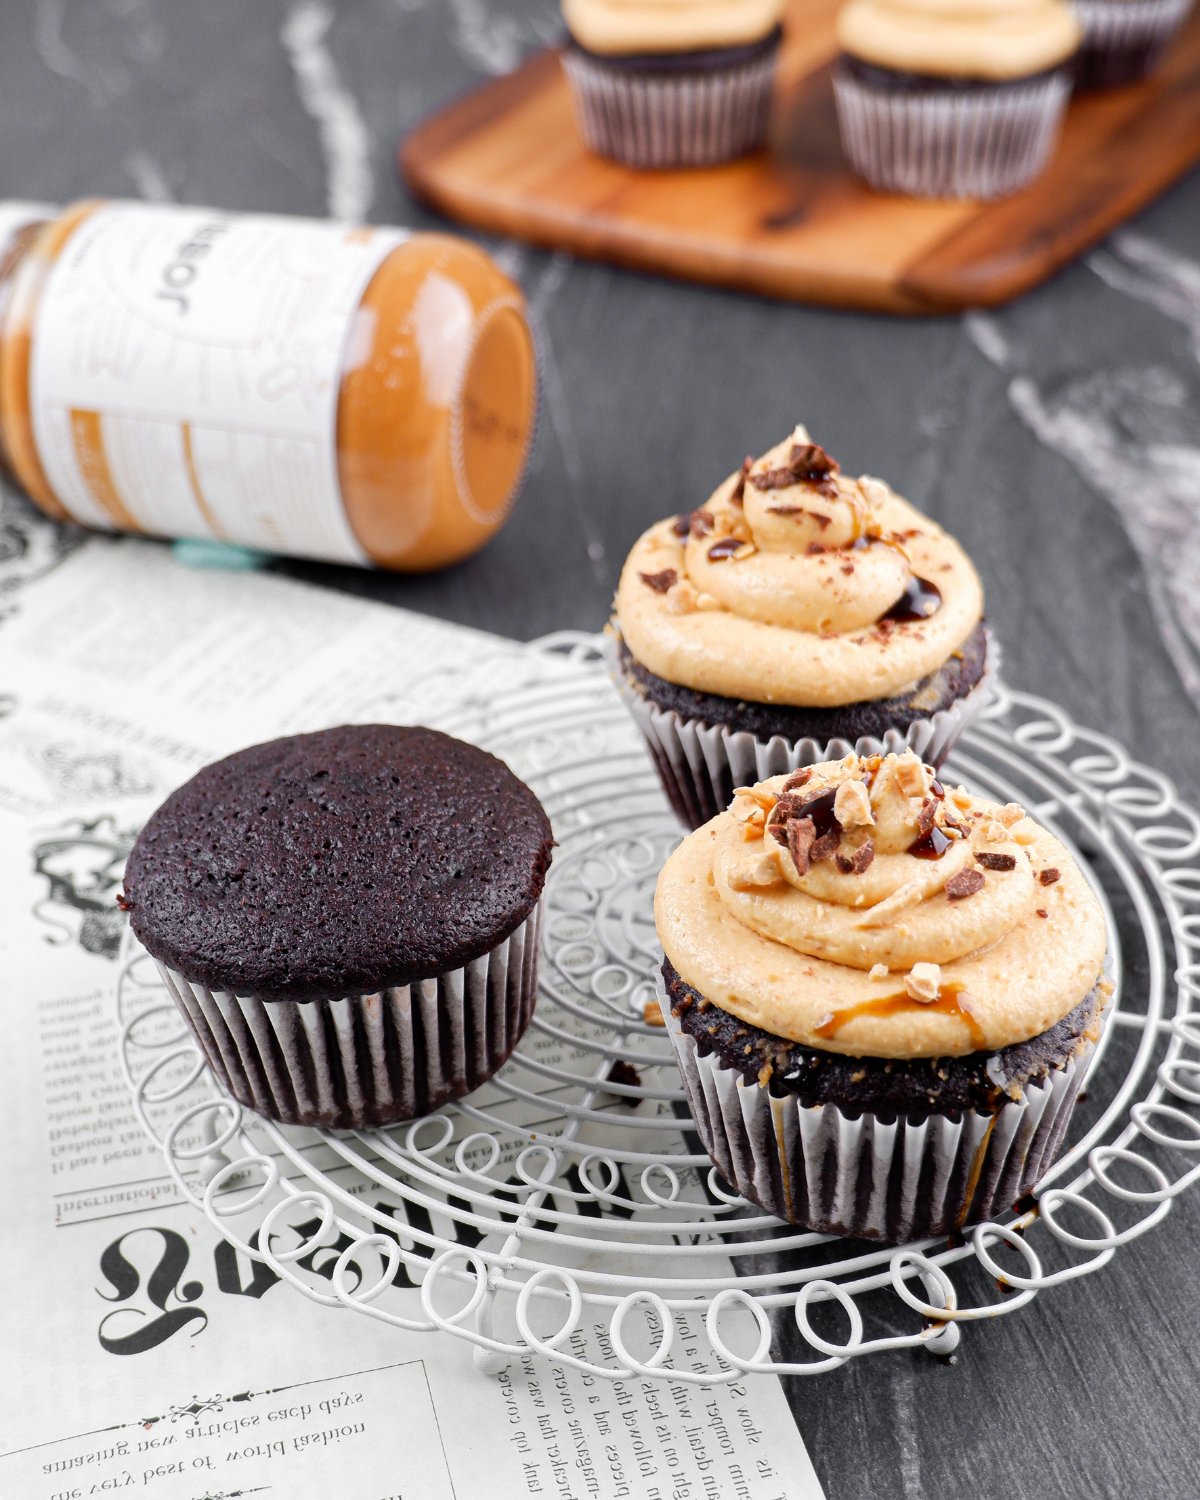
(1123, 40)
(797, 615)
(672, 83)
(882, 995)
(953, 98)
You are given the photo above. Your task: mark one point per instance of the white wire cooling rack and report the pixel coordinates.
(569, 1193)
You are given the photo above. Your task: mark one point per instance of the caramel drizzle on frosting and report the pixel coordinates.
(947, 1003)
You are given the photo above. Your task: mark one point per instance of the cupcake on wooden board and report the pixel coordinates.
(953, 98)
(1124, 40)
(348, 920)
(882, 995)
(672, 83)
(797, 615)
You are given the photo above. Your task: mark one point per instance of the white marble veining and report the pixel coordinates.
(135, 39)
(1133, 433)
(557, 405)
(345, 137)
(1152, 273)
(496, 42)
(148, 177)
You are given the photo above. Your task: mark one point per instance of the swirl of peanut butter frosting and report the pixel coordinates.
(860, 907)
(794, 584)
(616, 27)
(989, 39)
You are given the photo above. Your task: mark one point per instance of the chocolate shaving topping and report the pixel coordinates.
(726, 547)
(660, 582)
(1042, 913)
(965, 883)
(809, 464)
(810, 461)
(826, 845)
(1048, 877)
(801, 836)
(739, 489)
(997, 861)
(775, 479)
(797, 778)
(681, 525)
(702, 522)
(626, 1073)
(822, 521)
(814, 548)
(860, 860)
(927, 814)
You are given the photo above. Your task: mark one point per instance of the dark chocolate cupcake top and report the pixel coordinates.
(338, 863)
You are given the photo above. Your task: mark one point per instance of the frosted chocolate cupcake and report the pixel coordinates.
(953, 98)
(348, 920)
(1123, 40)
(882, 996)
(797, 615)
(672, 83)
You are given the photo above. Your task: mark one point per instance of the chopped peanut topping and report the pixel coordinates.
(910, 776)
(923, 982)
(879, 971)
(757, 871)
(1010, 813)
(766, 800)
(852, 805)
(748, 809)
(681, 598)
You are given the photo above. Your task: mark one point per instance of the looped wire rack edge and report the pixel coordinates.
(569, 1190)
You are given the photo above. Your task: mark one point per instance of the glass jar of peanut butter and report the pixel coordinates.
(353, 394)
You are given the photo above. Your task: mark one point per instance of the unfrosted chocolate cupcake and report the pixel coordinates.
(348, 920)
(882, 994)
(797, 615)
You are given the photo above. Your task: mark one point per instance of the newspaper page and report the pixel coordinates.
(145, 1351)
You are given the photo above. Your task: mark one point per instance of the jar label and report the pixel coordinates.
(185, 372)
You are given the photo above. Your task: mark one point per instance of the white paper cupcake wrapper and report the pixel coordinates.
(368, 1060)
(700, 764)
(1123, 39)
(969, 143)
(671, 119)
(863, 1179)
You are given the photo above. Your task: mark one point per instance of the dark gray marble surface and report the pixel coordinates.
(1058, 438)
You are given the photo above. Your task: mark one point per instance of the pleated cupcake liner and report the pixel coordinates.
(368, 1060)
(675, 119)
(814, 1166)
(700, 764)
(1124, 39)
(950, 143)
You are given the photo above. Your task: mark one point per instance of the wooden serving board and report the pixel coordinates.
(791, 222)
